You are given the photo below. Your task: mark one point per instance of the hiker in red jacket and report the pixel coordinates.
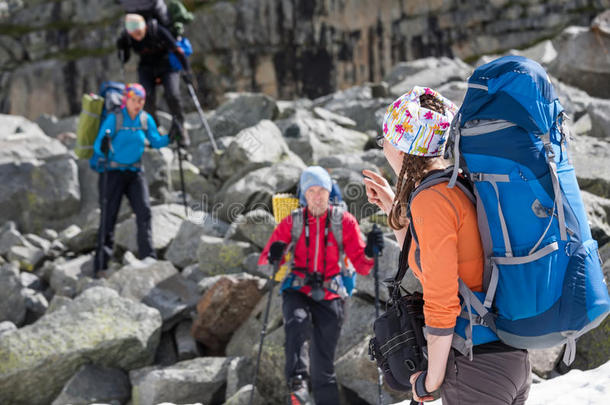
(314, 291)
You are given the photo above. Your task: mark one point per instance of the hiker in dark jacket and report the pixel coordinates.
(153, 43)
(123, 170)
(312, 313)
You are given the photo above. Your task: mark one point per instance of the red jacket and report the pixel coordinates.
(327, 259)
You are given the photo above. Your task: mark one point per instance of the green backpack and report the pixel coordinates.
(89, 123)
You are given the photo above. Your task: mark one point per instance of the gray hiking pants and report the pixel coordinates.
(501, 378)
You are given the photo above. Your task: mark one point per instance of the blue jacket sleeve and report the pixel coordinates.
(109, 123)
(156, 140)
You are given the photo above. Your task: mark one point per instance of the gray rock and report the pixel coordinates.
(242, 397)
(198, 187)
(242, 111)
(157, 164)
(166, 220)
(338, 119)
(193, 273)
(353, 192)
(357, 103)
(58, 302)
(38, 242)
(590, 157)
(346, 161)
(12, 302)
(182, 251)
(28, 257)
(208, 282)
(49, 234)
(36, 304)
(255, 189)
(93, 383)
(250, 265)
(9, 237)
(573, 100)
(255, 227)
(313, 139)
(53, 127)
(189, 381)
(159, 285)
(7, 327)
(65, 277)
(356, 372)
(98, 326)
(358, 323)
(69, 233)
(593, 73)
(258, 145)
(599, 111)
(204, 157)
(239, 374)
(186, 346)
(454, 91)
(598, 214)
(427, 72)
(38, 177)
(582, 126)
(388, 265)
(544, 361)
(30, 280)
(218, 256)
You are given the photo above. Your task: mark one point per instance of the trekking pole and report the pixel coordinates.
(182, 181)
(101, 237)
(276, 252)
(201, 116)
(176, 129)
(376, 252)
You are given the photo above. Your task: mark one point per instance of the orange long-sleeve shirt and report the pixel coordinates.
(445, 222)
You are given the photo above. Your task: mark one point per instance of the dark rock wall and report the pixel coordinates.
(53, 51)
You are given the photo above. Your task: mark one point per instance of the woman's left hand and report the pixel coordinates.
(415, 397)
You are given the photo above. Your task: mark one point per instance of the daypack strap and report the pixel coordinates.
(550, 157)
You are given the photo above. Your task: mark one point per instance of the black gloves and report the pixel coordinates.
(276, 251)
(374, 242)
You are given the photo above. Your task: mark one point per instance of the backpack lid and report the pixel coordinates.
(515, 89)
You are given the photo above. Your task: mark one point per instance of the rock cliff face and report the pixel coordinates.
(53, 51)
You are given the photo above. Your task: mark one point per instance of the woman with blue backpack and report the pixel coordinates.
(120, 143)
(438, 229)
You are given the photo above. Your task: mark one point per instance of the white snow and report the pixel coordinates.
(590, 387)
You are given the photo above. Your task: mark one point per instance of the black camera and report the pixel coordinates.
(316, 281)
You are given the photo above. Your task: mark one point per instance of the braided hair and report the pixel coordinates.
(412, 172)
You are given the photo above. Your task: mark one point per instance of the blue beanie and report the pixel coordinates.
(313, 176)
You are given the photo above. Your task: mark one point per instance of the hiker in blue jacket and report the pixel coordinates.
(129, 129)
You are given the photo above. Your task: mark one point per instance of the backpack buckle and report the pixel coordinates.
(476, 177)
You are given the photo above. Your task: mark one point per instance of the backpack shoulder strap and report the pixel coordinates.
(118, 118)
(144, 120)
(336, 227)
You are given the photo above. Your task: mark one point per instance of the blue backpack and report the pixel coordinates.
(112, 93)
(543, 282)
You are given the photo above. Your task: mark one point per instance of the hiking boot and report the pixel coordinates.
(299, 392)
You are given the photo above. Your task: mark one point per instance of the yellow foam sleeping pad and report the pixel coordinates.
(283, 204)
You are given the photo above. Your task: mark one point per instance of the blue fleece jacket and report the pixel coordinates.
(128, 145)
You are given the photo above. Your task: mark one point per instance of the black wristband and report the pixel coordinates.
(420, 385)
